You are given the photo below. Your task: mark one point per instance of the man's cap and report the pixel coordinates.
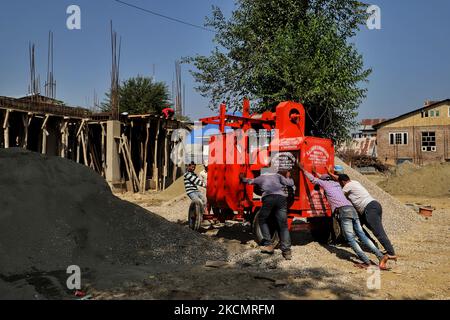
(339, 169)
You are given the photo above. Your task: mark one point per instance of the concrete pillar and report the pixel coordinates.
(112, 173)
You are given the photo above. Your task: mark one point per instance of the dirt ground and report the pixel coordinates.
(316, 271)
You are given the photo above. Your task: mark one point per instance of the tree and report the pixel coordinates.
(275, 50)
(140, 95)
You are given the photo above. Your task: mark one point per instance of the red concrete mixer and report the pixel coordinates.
(247, 145)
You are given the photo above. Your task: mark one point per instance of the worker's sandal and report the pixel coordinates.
(268, 249)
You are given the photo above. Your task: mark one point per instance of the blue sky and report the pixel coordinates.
(409, 55)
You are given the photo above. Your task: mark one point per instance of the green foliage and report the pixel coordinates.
(140, 95)
(183, 118)
(276, 50)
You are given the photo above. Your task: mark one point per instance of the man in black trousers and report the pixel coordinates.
(274, 200)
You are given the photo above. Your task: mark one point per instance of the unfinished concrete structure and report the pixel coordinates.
(132, 153)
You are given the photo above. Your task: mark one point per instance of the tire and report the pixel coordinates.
(195, 215)
(273, 231)
(326, 230)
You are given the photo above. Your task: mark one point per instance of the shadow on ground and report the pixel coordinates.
(241, 283)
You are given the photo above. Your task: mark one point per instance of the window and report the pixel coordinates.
(449, 111)
(398, 138)
(438, 113)
(429, 141)
(432, 113)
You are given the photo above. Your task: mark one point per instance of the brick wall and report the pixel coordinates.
(413, 150)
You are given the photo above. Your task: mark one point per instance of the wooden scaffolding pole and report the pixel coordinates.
(84, 143)
(166, 167)
(144, 176)
(155, 159)
(81, 143)
(26, 119)
(103, 149)
(125, 160)
(64, 137)
(126, 147)
(6, 129)
(175, 162)
(45, 134)
(78, 149)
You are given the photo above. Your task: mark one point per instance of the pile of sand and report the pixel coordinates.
(55, 213)
(408, 179)
(397, 218)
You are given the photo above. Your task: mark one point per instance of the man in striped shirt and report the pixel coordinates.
(191, 183)
(349, 219)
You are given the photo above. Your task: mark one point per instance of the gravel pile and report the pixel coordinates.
(432, 180)
(397, 218)
(55, 213)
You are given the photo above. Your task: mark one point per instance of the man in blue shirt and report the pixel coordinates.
(274, 198)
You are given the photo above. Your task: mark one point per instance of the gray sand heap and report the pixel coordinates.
(55, 213)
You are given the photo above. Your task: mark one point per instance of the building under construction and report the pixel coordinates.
(132, 152)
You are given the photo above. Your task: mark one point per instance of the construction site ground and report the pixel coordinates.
(139, 246)
(316, 271)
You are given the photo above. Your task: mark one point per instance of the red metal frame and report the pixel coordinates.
(225, 192)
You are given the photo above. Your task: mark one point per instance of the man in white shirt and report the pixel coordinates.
(370, 210)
